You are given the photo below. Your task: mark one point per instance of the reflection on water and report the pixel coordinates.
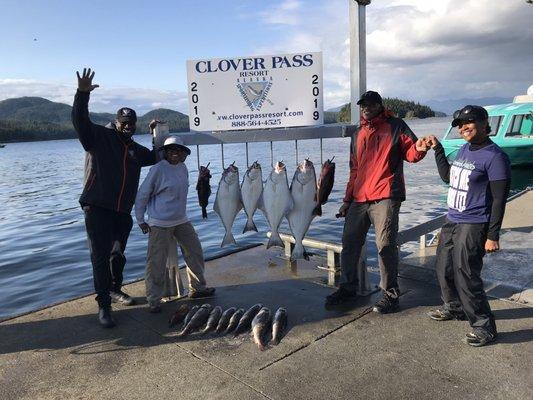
(44, 257)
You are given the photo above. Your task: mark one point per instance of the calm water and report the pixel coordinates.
(44, 257)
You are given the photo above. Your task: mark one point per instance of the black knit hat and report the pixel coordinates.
(370, 97)
(126, 114)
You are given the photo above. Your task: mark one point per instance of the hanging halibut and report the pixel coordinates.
(277, 201)
(303, 192)
(251, 190)
(228, 201)
(203, 188)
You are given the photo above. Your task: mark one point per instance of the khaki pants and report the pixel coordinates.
(156, 259)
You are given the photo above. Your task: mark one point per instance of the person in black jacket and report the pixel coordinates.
(112, 168)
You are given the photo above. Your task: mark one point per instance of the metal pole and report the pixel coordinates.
(296, 150)
(357, 54)
(321, 153)
(271, 154)
(198, 156)
(222, 147)
(247, 164)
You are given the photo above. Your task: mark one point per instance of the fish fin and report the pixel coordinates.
(275, 240)
(228, 239)
(261, 202)
(318, 210)
(215, 206)
(204, 213)
(250, 226)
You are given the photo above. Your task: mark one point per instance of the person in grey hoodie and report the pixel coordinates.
(163, 197)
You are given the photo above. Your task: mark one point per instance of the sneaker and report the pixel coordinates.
(105, 318)
(122, 298)
(155, 308)
(340, 296)
(386, 304)
(205, 292)
(443, 314)
(476, 339)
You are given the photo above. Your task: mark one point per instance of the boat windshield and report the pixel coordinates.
(521, 125)
(494, 122)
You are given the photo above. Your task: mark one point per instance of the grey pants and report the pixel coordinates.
(383, 214)
(156, 259)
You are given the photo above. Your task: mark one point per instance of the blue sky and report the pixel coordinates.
(417, 49)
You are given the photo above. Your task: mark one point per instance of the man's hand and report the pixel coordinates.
(422, 145)
(153, 123)
(343, 210)
(85, 82)
(492, 245)
(145, 228)
(432, 141)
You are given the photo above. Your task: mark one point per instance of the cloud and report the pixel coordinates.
(419, 49)
(102, 99)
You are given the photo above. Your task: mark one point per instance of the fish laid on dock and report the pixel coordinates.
(203, 187)
(228, 201)
(212, 322)
(179, 315)
(260, 326)
(246, 320)
(197, 320)
(325, 185)
(279, 325)
(277, 201)
(224, 319)
(251, 191)
(303, 192)
(189, 315)
(234, 320)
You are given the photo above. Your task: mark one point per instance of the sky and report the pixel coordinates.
(416, 49)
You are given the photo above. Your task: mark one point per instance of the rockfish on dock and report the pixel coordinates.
(251, 190)
(197, 320)
(213, 319)
(203, 188)
(179, 315)
(224, 319)
(325, 185)
(246, 320)
(189, 315)
(277, 201)
(228, 201)
(234, 320)
(303, 191)
(279, 325)
(260, 326)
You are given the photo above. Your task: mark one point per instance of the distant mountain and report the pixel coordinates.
(334, 109)
(401, 108)
(449, 106)
(35, 118)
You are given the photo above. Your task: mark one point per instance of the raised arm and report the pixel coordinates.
(80, 109)
(413, 149)
(443, 166)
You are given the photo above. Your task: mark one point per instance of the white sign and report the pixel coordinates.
(255, 92)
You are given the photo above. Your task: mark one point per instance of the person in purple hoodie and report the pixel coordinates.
(479, 180)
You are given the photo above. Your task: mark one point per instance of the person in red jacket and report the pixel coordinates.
(374, 194)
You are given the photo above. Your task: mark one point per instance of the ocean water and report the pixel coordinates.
(43, 250)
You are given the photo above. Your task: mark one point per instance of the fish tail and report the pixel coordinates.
(318, 210)
(204, 212)
(250, 226)
(275, 240)
(298, 252)
(228, 239)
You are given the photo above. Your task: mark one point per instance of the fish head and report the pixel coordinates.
(254, 171)
(279, 172)
(231, 174)
(305, 172)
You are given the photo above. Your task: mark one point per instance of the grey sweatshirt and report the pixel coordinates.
(163, 195)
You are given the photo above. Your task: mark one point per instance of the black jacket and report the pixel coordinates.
(112, 163)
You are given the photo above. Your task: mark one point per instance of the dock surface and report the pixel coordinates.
(344, 352)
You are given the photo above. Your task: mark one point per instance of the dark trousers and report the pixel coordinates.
(383, 214)
(107, 234)
(459, 262)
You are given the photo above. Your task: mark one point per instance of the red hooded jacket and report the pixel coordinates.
(376, 162)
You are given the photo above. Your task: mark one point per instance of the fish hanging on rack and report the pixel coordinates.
(251, 191)
(277, 201)
(228, 201)
(203, 188)
(303, 192)
(325, 185)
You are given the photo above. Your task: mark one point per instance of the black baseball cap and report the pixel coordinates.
(469, 113)
(126, 114)
(370, 97)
